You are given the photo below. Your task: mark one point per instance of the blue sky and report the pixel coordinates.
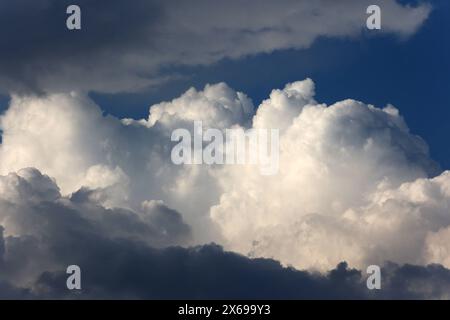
(412, 74)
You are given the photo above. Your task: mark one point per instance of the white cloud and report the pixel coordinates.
(67, 137)
(218, 105)
(354, 184)
(334, 160)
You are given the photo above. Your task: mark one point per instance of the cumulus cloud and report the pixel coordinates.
(67, 137)
(330, 200)
(134, 46)
(354, 184)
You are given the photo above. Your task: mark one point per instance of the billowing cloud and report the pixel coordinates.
(41, 228)
(337, 194)
(354, 184)
(129, 160)
(134, 46)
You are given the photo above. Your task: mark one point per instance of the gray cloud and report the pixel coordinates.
(42, 229)
(39, 51)
(124, 47)
(124, 269)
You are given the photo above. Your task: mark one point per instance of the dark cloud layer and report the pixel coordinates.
(37, 48)
(123, 270)
(126, 46)
(207, 272)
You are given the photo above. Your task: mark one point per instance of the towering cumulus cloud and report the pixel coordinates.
(353, 183)
(347, 187)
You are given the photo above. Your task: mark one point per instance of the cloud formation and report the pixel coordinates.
(67, 137)
(42, 229)
(354, 184)
(337, 193)
(79, 187)
(135, 46)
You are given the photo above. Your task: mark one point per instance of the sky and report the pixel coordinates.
(88, 178)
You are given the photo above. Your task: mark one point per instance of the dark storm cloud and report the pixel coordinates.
(204, 272)
(124, 46)
(123, 270)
